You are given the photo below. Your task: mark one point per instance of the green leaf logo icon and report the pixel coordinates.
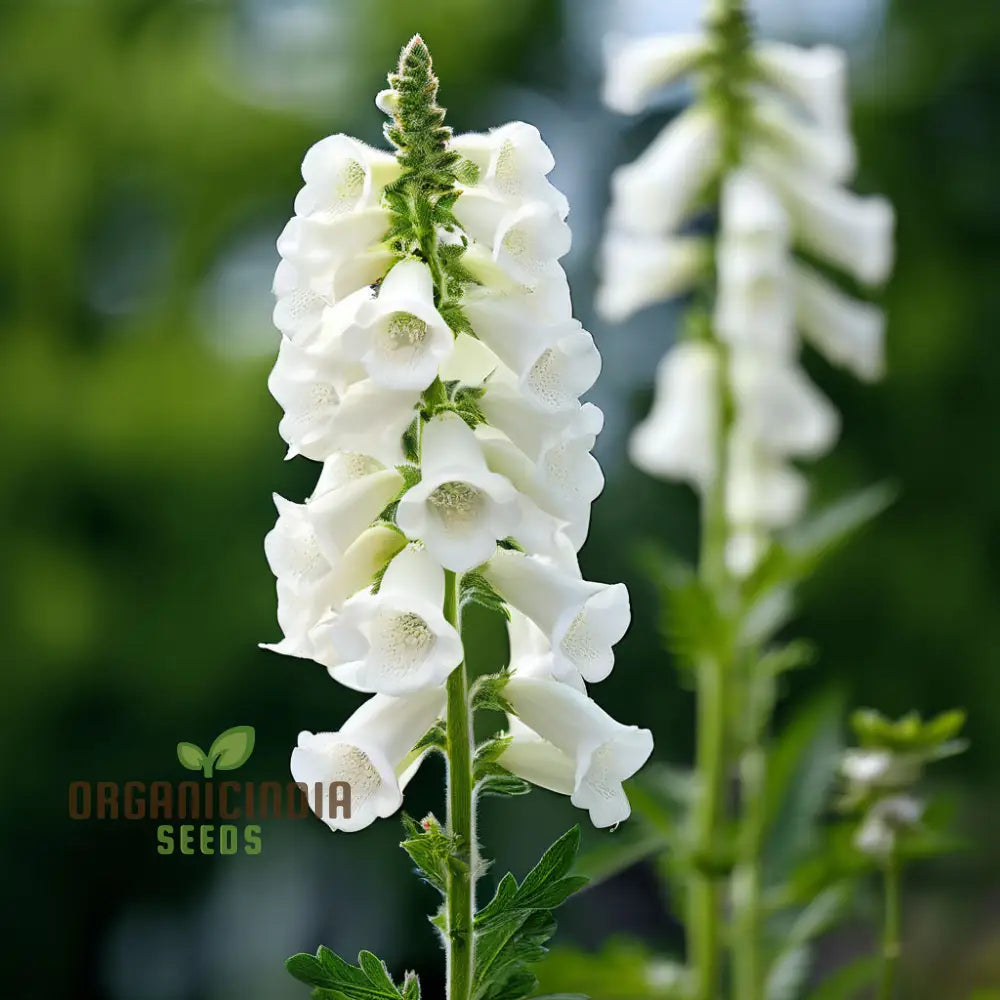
(229, 751)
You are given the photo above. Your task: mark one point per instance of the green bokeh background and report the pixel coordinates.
(148, 158)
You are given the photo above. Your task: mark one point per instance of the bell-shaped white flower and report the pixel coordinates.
(338, 253)
(779, 407)
(298, 309)
(538, 761)
(582, 620)
(342, 174)
(678, 437)
(827, 153)
(459, 508)
(884, 821)
(512, 161)
(605, 752)
(526, 241)
(400, 337)
(513, 327)
(846, 331)
(351, 492)
(815, 78)
(640, 269)
(636, 68)
(852, 232)
(396, 641)
(762, 490)
(656, 192)
(325, 410)
(372, 753)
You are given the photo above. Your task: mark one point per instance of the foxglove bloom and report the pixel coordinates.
(732, 416)
(372, 752)
(430, 360)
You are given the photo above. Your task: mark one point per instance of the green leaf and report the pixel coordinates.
(799, 551)
(690, 621)
(622, 970)
(232, 748)
(848, 981)
(431, 849)
(335, 979)
(801, 771)
(191, 756)
(622, 849)
(513, 928)
(787, 974)
(487, 692)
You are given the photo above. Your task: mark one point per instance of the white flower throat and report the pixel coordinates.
(401, 640)
(457, 503)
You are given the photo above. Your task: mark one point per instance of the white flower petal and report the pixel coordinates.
(816, 78)
(342, 174)
(339, 515)
(459, 508)
(605, 752)
(636, 68)
(582, 620)
(400, 337)
(846, 331)
(372, 744)
(656, 192)
(678, 437)
(778, 406)
(829, 153)
(397, 641)
(638, 270)
(852, 232)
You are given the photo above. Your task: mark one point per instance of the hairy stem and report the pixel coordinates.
(461, 817)
(891, 928)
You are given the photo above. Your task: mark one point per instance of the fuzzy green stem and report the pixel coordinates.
(461, 817)
(891, 946)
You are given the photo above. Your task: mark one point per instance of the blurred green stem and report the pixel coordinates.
(746, 881)
(705, 896)
(892, 878)
(461, 817)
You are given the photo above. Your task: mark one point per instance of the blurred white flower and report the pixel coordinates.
(657, 191)
(637, 67)
(677, 438)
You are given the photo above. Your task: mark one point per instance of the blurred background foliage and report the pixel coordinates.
(148, 157)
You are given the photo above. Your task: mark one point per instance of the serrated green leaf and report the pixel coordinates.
(336, 979)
